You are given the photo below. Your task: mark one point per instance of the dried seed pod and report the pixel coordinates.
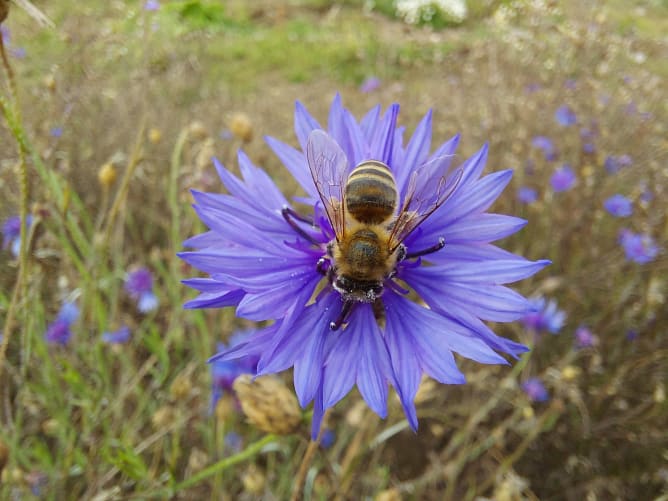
(253, 480)
(268, 404)
(106, 176)
(241, 126)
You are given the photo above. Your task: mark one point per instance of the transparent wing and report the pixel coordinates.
(329, 168)
(426, 192)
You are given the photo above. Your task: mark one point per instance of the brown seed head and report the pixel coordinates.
(197, 130)
(49, 81)
(253, 480)
(388, 495)
(181, 387)
(107, 175)
(154, 135)
(163, 417)
(268, 404)
(241, 126)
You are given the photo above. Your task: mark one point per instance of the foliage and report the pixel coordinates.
(153, 95)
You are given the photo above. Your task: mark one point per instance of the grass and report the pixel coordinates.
(132, 422)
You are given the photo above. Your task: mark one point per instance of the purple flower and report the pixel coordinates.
(370, 84)
(273, 263)
(639, 248)
(565, 116)
(120, 336)
(589, 148)
(139, 284)
(562, 179)
(58, 331)
(224, 372)
(571, 83)
(535, 390)
(328, 438)
(543, 316)
(56, 131)
(618, 206)
(584, 338)
(614, 164)
(546, 145)
(11, 233)
(151, 5)
(587, 133)
(233, 441)
(527, 195)
(532, 87)
(631, 335)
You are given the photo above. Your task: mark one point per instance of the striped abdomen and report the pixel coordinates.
(371, 193)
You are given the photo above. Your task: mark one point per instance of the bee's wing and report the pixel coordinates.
(329, 166)
(35, 13)
(422, 199)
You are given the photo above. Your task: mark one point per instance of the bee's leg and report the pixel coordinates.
(290, 215)
(345, 311)
(429, 250)
(323, 265)
(297, 215)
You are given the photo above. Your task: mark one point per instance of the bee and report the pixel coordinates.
(361, 205)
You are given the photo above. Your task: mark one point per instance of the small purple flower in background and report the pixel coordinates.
(646, 195)
(545, 144)
(370, 84)
(543, 316)
(58, 331)
(233, 441)
(618, 206)
(587, 133)
(224, 372)
(631, 335)
(562, 179)
(584, 338)
(152, 5)
(226, 134)
(589, 148)
(139, 284)
(535, 390)
(565, 116)
(56, 131)
(328, 438)
(614, 164)
(268, 260)
(639, 248)
(530, 88)
(120, 336)
(527, 195)
(571, 83)
(11, 233)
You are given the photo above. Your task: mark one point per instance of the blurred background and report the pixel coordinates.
(114, 114)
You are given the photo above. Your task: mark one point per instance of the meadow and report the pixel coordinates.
(112, 116)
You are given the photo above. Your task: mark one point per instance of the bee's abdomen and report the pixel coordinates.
(371, 193)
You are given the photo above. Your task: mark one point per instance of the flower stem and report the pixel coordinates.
(223, 464)
(306, 460)
(12, 114)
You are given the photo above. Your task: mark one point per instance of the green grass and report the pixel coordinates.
(132, 421)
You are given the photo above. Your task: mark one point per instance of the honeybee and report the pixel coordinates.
(361, 205)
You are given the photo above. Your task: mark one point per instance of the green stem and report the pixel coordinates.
(223, 464)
